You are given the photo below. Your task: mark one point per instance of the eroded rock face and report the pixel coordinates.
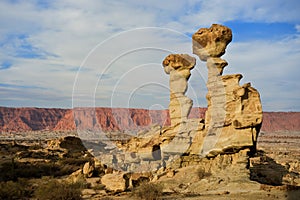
(178, 66)
(234, 113)
(211, 42)
(16, 119)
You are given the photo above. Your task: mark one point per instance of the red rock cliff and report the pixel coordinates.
(33, 119)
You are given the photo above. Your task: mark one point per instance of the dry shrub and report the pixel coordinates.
(14, 190)
(149, 191)
(107, 198)
(202, 173)
(58, 190)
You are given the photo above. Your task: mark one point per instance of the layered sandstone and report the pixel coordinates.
(178, 66)
(234, 113)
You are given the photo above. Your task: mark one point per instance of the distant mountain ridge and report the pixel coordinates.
(108, 119)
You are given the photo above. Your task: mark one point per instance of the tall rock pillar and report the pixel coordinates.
(178, 66)
(234, 113)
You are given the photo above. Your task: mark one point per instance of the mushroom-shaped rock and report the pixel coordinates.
(179, 66)
(211, 42)
(178, 61)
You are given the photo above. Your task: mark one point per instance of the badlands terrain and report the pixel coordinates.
(31, 137)
(231, 150)
(113, 119)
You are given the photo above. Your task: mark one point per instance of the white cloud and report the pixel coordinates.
(70, 29)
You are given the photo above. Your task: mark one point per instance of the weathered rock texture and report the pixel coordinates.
(178, 66)
(234, 113)
(115, 182)
(211, 42)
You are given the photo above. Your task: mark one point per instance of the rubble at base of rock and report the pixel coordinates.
(234, 115)
(192, 157)
(228, 132)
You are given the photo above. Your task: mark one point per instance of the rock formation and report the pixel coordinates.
(179, 66)
(234, 114)
(18, 119)
(233, 117)
(232, 121)
(189, 154)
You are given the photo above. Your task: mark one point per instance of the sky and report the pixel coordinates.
(64, 53)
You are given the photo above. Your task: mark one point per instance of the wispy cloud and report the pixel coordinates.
(43, 43)
(5, 65)
(5, 85)
(20, 46)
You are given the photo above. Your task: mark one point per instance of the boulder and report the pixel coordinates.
(117, 182)
(88, 169)
(211, 42)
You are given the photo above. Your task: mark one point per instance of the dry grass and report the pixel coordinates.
(58, 190)
(202, 173)
(148, 191)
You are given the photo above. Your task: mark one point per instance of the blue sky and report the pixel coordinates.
(63, 53)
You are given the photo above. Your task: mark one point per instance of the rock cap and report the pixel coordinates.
(176, 61)
(211, 42)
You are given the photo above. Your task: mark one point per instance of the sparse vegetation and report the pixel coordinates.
(58, 190)
(21, 162)
(202, 173)
(149, 191)
(14, 190)
(107, 198)
(14, 170)
(22, 166)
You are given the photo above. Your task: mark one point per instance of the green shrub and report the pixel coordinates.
(148, 191)
(58, 190)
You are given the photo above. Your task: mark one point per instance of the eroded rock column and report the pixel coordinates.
(178, 66)
(210, 44)
(234, 113)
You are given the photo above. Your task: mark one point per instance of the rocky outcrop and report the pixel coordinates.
(178, 66)
(209, 43)
(210, 153)
(66, 123)
(29, 119)
(71, 143)
(234, 113)
(232, 122)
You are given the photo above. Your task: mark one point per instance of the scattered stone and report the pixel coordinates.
(88, 192)
(170, 173)
(88, 169)
(93, 182)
